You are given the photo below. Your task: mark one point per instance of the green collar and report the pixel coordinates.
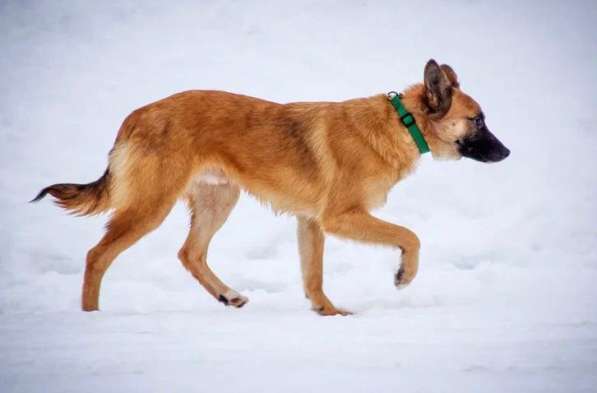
(409, 122)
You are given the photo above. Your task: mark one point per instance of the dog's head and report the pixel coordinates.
(457, 123)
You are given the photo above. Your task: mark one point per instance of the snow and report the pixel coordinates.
(505, 299)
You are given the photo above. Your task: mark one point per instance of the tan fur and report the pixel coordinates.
(328, 163)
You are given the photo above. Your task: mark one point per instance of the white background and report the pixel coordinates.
(505, 297)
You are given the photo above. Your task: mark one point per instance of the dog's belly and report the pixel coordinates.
(269, 196)
(212, 177)
(205, 179)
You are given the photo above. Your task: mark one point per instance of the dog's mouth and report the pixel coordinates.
(482, 146)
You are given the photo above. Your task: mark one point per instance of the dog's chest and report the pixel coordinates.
(378, 187)
(376, 191)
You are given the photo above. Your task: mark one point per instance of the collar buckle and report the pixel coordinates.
(408, 120)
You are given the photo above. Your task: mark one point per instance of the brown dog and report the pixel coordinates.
(327, 163)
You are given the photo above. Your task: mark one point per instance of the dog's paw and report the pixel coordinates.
(401, 279)
(331, 310)
(233, 298)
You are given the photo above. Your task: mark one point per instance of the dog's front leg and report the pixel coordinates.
(361, 226)
(311, 241)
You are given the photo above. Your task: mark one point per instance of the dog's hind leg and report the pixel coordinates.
(123, 230)
(210, 206)
(311, 242)
(145, 184)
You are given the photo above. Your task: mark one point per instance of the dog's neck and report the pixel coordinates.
(380, 126)
(414, 101)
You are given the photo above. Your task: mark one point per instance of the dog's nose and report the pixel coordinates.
(506, 152)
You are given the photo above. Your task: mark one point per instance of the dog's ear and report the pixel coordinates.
(438, 89)
(452, 77)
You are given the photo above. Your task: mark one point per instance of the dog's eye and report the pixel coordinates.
(479, 123)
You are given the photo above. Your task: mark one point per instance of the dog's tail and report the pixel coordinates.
(81, 199)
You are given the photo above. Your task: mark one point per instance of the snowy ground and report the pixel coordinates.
(505, 299)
